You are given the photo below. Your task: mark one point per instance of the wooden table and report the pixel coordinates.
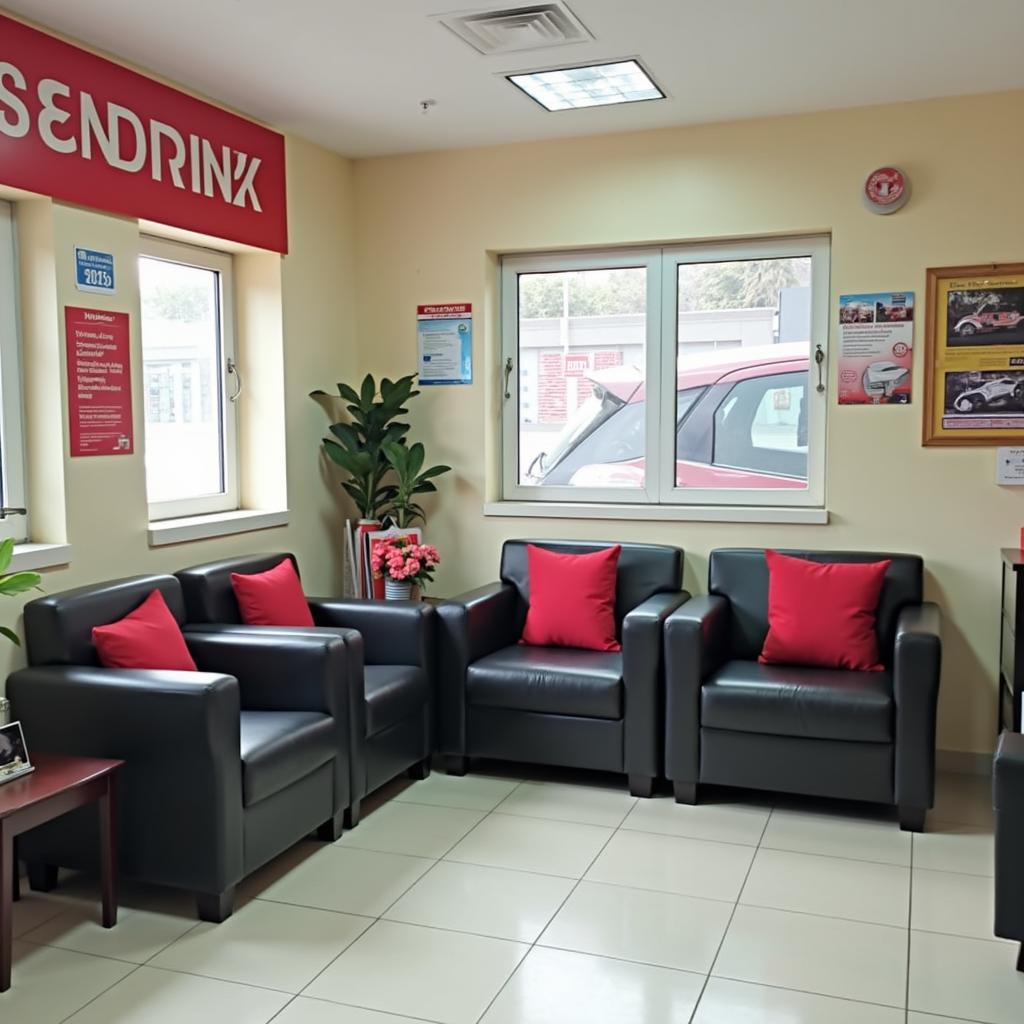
(59, 784)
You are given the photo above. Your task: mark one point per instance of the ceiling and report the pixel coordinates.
(351, 75)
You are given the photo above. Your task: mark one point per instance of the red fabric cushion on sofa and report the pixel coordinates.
(822, 613)
(148, 637)
(272, 598)
(572, 599)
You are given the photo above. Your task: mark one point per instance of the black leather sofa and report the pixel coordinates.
(225, 767)
(1008, 797)
(390, 667)
(562, 706)
(858, 735)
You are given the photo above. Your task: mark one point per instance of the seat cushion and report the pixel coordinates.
(393, 692)
(789, 700)
(550, 680)
(281, 747)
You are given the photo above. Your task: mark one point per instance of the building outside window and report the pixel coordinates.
(667, 376)
(188, 356)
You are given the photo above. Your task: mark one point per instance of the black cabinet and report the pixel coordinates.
(1011, 639)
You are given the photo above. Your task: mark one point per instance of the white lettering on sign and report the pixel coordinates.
(123, 140)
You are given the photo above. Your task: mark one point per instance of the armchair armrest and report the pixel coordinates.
(470, 626)
(696, 645)
(289, 668)
(281, 668)
(1008, 796)
(1008, 777)
(181, 787)
(917, 664)
(393, 632)
(642, 672)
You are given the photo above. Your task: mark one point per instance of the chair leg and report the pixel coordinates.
(641, 785)
(215, 906)
(456, 764)
(42, 877)
(685, 792)
(420, 770)
(352, 815)
(912, 818)
(331, 829)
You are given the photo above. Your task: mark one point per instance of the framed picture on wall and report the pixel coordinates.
(974, 355)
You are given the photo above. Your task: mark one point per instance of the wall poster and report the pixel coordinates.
(974, 356)
(445, 342)
(99, 382)
(876, 342)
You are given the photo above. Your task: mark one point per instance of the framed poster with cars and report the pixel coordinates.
(974, 355)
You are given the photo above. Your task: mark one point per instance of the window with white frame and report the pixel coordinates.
(190, 380)
(12, 453)
(668, 376)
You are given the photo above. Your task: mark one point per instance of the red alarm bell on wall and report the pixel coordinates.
(886, 190)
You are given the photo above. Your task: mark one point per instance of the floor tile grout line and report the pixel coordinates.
(732, 915)
(89, 1002)
(380, 917)
(558, 910)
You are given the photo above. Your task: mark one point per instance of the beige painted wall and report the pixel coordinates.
(428, 226)
(106, 497)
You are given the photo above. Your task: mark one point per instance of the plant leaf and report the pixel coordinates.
(19, 582)
(6, 553)
(11, 635)
(367, 391)
(348, 393)
(434, 471)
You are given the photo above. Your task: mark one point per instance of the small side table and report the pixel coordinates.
(59, 784)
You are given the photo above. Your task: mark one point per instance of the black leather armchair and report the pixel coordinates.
(586, 709)
(225, 767)
(858, 735)
(1008, 797)
(390, 669)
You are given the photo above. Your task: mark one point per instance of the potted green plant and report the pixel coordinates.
(12, 584)
(358, 446)
(411, 479)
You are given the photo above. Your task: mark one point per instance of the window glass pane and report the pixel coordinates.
(743, 334)
(181, 350)
(582, 337)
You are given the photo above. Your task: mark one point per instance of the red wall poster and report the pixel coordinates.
(99, 382)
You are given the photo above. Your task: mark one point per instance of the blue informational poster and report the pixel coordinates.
(445, 341)
(94, 271)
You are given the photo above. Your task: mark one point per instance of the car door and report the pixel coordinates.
(750, 432)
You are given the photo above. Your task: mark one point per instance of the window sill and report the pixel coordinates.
(665, 513)
(28, 557)
(220, 524)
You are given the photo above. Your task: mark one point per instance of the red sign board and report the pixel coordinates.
(83, 129)
(99, 382)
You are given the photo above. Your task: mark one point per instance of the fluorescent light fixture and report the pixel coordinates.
(592, 85)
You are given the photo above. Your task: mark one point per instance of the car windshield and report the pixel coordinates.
(594, 411)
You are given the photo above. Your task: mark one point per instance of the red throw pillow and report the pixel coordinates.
(148, 637)
(823, 613)
(272, 598)
(572, 599)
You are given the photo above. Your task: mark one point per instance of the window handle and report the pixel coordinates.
(819, 358)
(232, 367)
(5, 512)
(508, 373)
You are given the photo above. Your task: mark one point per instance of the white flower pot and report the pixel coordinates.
(397, 590)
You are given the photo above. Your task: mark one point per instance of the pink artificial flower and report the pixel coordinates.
(413, 566)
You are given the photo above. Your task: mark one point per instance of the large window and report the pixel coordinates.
(682, 376)
(12, 456)
(191, 382)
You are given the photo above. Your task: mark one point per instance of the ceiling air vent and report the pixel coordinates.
(518, 29)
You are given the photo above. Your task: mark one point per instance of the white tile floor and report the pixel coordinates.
(557, 900)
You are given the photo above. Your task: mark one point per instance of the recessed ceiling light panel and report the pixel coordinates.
(592, 85)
